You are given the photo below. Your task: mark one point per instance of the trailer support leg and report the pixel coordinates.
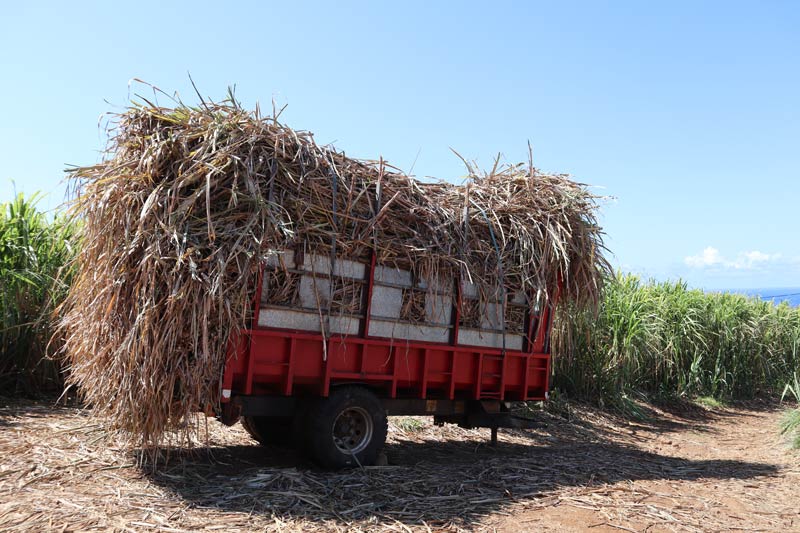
(494, 435)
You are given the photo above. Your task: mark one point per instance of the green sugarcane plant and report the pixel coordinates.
(33, 252)
(791, 423)
(665, 339)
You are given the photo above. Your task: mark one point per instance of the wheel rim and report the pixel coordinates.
(352, 430)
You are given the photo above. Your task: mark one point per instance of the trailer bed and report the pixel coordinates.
(285, 352)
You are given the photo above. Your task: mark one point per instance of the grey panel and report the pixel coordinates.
(438, 308)
(476, 337)
(344, 324)
(312, 288)
(287, 319)
(474, 291)
(386, 301)
(282, 259)
(435, 285)
(491, 316)
(307, 321)
(406, 331)
(469, 290)
(320, 264)
(349, 269)
(395, 276)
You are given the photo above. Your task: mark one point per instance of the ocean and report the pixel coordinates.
(791, 295)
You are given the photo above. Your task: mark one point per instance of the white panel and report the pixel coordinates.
(320, 264)
(438, 308)
(344, 324)
(307, 321)
(282, 259)
(469, 290)
(286, 319)
(349, 269)
(312, 288)
(395, 276)
(474, 291)
(436, 285)
(491, 316)
(386, 301)
(476, 337)
(406, 331)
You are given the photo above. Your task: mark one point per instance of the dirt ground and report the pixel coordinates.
(686, 470)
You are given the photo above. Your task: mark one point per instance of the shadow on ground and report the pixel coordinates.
(438, 482)
(12, 410)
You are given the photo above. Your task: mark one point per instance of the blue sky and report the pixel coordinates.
(687, 113)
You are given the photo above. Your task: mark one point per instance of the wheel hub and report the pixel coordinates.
(352, 430)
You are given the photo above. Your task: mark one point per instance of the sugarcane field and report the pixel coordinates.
(395, 278)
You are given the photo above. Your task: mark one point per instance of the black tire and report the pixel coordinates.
(269, 430)
(347, 429)
(248, 427)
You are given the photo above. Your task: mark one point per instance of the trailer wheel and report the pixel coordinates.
(347, 429)
(269, 430)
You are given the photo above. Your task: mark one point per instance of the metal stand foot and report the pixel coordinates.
(494, 436)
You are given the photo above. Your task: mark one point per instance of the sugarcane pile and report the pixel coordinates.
(178, 216)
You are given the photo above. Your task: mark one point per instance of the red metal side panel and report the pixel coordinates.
(439, 363)
(282, 362)
(409, 366)
(466, 370)
(514, 376)
(537, 377)
(378, 359)
(269, 359)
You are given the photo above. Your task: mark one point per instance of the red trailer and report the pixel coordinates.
(309, 372)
